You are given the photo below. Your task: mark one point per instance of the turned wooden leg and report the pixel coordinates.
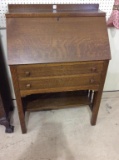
(9, 128)
(18, 98)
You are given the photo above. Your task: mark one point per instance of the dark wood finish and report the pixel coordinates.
(6, 104)
(58, 15)
(56, 100)
(21, 111)
(57, 53)
(98, 95)
(66, 40)
(58, 82)
(59, 69)
(47, 10)
(77, 7)
(14, 8)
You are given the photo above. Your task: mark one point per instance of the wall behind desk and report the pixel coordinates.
(112, 80)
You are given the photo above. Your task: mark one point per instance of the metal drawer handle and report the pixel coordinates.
(92, 81)
(28, 86)
(93, 69)
(27, 73)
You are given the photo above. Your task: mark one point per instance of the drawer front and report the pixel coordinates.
(59, 82)
(61, 69)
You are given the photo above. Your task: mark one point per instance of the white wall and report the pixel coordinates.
(112, 80)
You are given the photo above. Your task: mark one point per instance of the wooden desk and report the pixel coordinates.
(61, 54)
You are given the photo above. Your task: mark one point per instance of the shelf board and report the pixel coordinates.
(56, 100)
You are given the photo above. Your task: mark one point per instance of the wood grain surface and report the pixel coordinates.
(25, 8)
(59, 82)
(56, 100)
(20, 107)
(48, 10)
(57, 50)
(59, 69)
(49, 40)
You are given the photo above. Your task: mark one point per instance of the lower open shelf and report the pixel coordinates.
(55, 100)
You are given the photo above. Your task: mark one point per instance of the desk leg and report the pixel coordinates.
(98, 94)
(18, 98)
(95, 106)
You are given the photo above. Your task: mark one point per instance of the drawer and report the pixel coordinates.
(58, 69)
(77, 81)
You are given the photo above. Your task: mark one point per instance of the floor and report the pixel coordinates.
(65, 134)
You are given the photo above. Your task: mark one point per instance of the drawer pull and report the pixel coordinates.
(28, 86)
(27, 73)
(93, 69)
(92, 81)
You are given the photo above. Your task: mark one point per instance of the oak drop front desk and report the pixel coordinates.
(58, 56)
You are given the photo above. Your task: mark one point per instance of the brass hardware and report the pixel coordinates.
(28, 86)
(27, 73)
(92, 80)
(93, 69)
